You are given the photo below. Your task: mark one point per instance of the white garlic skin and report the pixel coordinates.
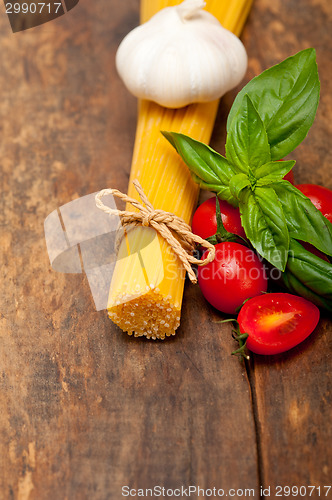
(180, 56)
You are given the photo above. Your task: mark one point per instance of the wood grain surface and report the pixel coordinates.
(85, 409)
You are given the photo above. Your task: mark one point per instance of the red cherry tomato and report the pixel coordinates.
(320, 196)
(276, 322)
(204, 222)
(232, 277)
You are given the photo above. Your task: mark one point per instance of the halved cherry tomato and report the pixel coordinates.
(204, 222)
(320, 196)
(232, 277)
(276, 322)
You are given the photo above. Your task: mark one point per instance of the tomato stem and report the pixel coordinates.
(221, 234)
(241, 338)
(241, 351)
(238, 309)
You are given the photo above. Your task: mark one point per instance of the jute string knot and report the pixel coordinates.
(171, 227)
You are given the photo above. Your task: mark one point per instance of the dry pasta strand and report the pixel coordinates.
(147, 286)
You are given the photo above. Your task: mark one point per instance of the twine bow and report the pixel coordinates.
(171, 227)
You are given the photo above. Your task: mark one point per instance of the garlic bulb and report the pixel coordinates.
(180, 56)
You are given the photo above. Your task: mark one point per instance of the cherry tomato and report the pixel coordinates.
(204, 222)
(232, 277)
(276, 322)
(320, 196)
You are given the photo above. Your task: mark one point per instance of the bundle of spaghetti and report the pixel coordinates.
(148, 281)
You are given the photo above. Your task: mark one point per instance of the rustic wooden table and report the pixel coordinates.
(85, 409)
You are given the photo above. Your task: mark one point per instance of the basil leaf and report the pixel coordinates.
(273, 171)
(237, 183)
(304, 221)
(223, 192)
(265, 225)
(315, 272)
(202, 160)
(309, 276)
(296, 286)
(286, 97)
(247, 144)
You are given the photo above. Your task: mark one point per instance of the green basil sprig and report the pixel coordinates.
(269, 118)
